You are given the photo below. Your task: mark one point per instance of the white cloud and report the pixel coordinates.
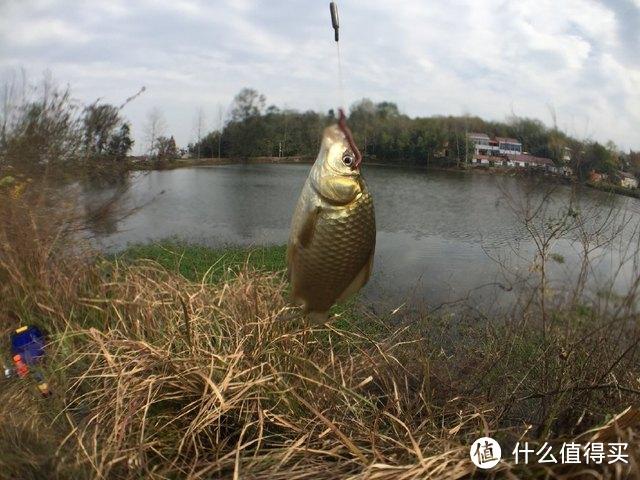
(42, 32)
(484, 57)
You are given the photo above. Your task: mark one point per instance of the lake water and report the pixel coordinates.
(439, 233)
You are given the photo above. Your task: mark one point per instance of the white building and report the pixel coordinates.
(561, 170)
(507, 152)
(483, 145)
(509, 146)
(627, 180)
(481, 159)
(478, 138)
(524, 160)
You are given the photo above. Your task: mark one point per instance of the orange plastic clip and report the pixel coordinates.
(21, 368)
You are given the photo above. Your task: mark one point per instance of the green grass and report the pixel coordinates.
(197, 262)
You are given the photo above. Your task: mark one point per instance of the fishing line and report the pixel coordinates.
(340, 79)
(335, 23)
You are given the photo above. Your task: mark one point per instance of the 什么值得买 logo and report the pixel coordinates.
(485, 453)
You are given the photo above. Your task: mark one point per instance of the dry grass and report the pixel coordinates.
(197, 380)
(158, 376)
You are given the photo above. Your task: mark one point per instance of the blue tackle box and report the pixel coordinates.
(28, 342)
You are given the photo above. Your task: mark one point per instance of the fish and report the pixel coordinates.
(333, 229)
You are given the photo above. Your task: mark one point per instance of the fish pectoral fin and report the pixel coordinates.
(359, 281)
(308, 228)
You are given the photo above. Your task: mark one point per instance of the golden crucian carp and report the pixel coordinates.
(333, 231)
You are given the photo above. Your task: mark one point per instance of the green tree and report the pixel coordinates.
(387, 110)
(363, 120)
(43, 127)
(106, 135)
(100, 122)
(557, 144)
(532, 133)
(597, 157)
(246, 104)
(208, 145)
(167, 149)
(120, 143)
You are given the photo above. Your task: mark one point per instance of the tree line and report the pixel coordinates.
(385, 134)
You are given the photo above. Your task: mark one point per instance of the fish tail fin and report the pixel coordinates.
(317, 318)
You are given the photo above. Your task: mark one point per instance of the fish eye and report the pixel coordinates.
(348, 160)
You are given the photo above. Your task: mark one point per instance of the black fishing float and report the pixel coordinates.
(333, 7)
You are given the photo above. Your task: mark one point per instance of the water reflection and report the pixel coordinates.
(103, 195)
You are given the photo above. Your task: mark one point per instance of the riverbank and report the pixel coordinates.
(175, 360)
(145, 165)
(610, 188)
(480, 170)
(141, 164)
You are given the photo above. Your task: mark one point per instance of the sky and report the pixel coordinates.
(491, 58)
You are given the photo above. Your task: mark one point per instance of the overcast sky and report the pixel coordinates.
(484, 57)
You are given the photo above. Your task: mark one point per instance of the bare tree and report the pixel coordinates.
(221, 112)
(199, 126)
(154, 128)
(246, 104)
(13, 95)
(40, 123)
(583, 338)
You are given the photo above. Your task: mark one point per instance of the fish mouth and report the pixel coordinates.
(342, 125)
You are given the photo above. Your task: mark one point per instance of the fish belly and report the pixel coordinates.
(341, 247)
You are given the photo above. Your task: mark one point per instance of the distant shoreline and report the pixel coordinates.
(195, 162)
(142, 165)
(609, 188)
